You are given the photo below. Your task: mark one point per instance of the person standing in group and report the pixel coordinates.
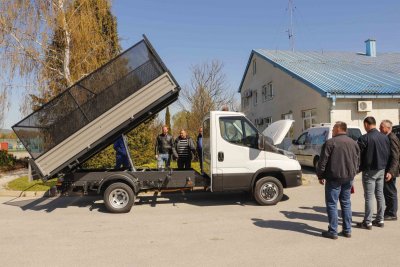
(392, 171)
(121, 155)
(185, 147)
(375, 151)
(340, 158)
(200, 148)
(164, 148)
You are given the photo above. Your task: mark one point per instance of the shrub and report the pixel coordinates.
(7, 161)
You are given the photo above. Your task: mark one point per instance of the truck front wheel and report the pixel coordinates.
(119, 198)
(268, 191)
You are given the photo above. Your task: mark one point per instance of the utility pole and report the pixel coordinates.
(290, 30)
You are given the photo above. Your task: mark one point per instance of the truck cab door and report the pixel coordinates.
(238, 156)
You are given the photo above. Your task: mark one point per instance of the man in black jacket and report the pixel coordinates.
(340, 158)
(375, 151)
(164, 148)
(392, 171)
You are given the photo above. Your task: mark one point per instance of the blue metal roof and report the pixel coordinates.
(339, 73)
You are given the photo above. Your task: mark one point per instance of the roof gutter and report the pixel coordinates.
(334, 96)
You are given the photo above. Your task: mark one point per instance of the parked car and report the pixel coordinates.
(307, 147)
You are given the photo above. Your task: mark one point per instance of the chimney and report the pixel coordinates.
(370, 46)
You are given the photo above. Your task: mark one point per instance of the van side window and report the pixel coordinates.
(238, 131)
(318, 136)
(302, 139)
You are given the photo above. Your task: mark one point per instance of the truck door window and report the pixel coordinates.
(238, 131)
(251, 135)
(231, 130)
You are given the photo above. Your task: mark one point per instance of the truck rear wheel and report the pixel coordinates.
(268, 191)
(119, 198)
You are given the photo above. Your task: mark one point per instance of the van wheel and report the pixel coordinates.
(268, 191)
(119, 198)
(315, 163)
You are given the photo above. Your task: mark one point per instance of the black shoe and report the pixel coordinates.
(345, 234)
(390, 218)
(380, 224)
(327, 234)
(364, 225)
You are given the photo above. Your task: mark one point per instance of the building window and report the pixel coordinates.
(255, 98)
(267, 121)
(309, 118)
(268, 91)
(254, 67)
(245, 102)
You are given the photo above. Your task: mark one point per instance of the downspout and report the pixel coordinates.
(332, 108)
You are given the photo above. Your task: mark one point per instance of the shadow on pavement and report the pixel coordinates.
(305, 216)
(95, 203)
(323, 210)
(288, 226)
(50, 204)
(200, 199)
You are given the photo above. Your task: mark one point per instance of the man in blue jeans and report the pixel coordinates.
(164, 148)
(375, 152)
(338, 164)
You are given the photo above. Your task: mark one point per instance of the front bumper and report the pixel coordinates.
(292, 178)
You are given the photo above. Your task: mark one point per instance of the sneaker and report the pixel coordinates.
(390, 218)
(364, 225)
(380, 224)
(327, 234)
(345, 234)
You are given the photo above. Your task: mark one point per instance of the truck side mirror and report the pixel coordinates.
(261, 141)
(294, 142)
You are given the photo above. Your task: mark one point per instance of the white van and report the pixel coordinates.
(307, 147)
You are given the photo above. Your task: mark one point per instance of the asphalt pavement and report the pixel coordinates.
(191, 229)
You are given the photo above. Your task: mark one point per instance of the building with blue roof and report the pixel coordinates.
(321, 87)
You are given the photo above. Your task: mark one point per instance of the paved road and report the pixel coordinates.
(197, 229)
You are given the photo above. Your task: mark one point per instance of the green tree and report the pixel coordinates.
(207, 91)
(168, 119)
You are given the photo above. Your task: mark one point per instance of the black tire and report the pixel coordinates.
(268, 191)
(119, 198)
(315, 163)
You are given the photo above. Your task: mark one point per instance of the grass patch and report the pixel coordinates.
(22, 184)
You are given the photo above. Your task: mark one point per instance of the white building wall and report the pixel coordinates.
(293, 95)
(382, 109)
(290, 95)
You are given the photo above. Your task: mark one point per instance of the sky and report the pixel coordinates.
(187, 32)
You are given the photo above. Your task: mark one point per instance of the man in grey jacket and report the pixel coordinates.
(340, 158)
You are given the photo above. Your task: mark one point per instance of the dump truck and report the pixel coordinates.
(134, 86)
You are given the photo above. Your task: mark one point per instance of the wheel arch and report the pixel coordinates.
(125, 178)
(275, 172)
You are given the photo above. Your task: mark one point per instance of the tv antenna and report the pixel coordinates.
(290, 31)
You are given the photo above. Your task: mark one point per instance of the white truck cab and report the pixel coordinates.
(238, 157)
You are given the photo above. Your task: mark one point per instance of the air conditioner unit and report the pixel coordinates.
(364, 106)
